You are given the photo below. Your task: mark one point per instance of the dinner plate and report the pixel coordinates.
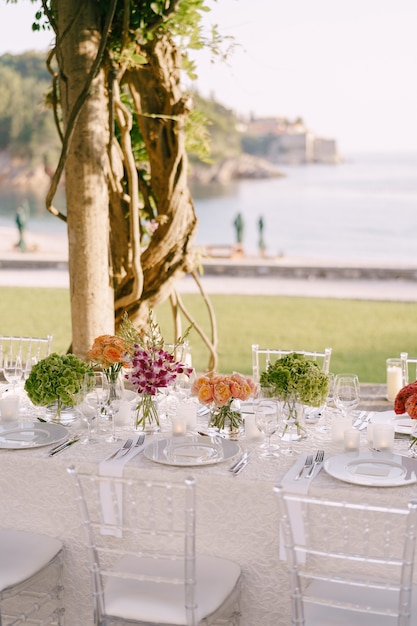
(18, 435)
(191, 451)
(373, 469)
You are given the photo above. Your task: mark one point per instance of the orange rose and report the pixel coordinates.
(205, 393)
(221, 393)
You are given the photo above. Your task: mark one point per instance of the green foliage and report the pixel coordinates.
(56, 377)
(26, 126)
(295, 374)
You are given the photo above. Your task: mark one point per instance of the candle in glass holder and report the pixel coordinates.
(179, 424)
(394, 378)
(338, 426)
(351, 438)
(383, 437)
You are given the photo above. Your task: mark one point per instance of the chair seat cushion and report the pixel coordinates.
(164, 603)
(23, 554)
(317, 615)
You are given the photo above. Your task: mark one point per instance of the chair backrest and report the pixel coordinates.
(26, 347)
(347, 558)
(262, 357)
(406, 362)
(127, 518)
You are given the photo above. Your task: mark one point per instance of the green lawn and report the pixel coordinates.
(362, 333)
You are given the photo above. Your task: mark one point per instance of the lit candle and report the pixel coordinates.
(251, 429)
(338, 427)
(383, 437)
(179, 424)
(394, 378)
(189, 410)
(351, 438)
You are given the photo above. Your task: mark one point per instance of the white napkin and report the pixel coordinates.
(301, 486)
(114, 467)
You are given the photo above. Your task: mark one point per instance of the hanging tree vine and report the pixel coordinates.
(129, 55)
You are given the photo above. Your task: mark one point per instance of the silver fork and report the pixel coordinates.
(140, 440)
(308, 462)
(317, 461)
(125, 446)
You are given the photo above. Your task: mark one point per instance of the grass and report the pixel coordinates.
(362, 333)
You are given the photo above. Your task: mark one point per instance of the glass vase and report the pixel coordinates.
(147, 416)
(60, 413)
(227, 419)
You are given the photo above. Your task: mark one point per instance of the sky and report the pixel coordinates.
(347, 67)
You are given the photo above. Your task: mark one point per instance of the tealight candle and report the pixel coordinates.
(383, 437)
(338, 427)
(251, 429)
(9, 407)
(351, 438)
(189, 410)
(179, 424)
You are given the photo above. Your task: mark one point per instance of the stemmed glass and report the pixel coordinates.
(12, 369)
(346, 393)
(87, 403)
(266, 419)
(292, 415)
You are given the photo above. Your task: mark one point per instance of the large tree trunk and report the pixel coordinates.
(91, 289)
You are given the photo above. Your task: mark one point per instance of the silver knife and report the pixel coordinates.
(63, 446)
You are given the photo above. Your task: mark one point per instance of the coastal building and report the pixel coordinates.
(285, 142)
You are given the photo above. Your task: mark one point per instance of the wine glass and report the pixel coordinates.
(346, 393)
(12, 369)
(87, 403)
(266, 419)
(183, 384)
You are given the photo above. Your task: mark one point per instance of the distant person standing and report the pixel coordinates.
(239, 226)
(21, 225)
(261, 243)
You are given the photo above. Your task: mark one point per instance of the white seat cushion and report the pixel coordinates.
(23, 554)
(163, 603)
(316, 615)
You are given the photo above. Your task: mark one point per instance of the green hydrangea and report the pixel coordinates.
(295, 374)
(56, 378)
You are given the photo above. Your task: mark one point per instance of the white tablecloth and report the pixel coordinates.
(237, 516)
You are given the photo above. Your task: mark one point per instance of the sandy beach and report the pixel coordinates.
(44, 264)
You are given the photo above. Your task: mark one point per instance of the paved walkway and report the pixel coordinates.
(46, 266)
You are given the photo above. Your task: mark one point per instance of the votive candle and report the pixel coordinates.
(351, 438)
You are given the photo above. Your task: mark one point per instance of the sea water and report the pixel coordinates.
(364, 209)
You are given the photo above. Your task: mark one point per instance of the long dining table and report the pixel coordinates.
(237, 515)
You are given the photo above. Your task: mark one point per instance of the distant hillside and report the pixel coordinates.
(30, 146)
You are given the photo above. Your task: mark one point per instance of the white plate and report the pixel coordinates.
(373, 469)
(189, 451)
(18, 435)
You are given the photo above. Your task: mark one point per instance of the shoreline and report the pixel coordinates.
(46, 265)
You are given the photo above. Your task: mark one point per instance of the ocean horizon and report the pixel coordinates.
(363, 209)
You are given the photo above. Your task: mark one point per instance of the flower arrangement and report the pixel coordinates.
(406, 402)
(57, 379)
(296, 380)
(221, 392)
(112, 353)
(296, 375)
(151, 368)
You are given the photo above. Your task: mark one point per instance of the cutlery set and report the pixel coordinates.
(362, 421)
(127, 447)
(63, 446)
(237, 467)
(310, 465)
